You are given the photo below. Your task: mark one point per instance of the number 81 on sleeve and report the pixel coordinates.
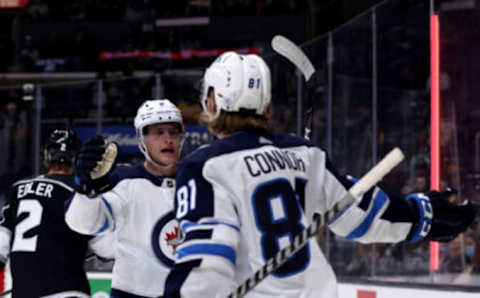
(186, 198)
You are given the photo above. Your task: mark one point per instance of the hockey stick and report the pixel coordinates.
(354, 194)
(294, 54)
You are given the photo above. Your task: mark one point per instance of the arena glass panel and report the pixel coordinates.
(352, 128)
(459, 260)
(15, 129)
(315, 94)
(284, 92)
(315, 110)
(63, 104)
(403, 121)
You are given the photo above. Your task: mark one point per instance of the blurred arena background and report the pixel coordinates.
(88, 64)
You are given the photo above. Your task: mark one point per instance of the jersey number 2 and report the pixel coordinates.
(278, 217)
(34, 211)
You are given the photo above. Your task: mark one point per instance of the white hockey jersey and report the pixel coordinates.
(243, 198)
(139, 211)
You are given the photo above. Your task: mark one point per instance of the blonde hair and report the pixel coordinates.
(229, 122)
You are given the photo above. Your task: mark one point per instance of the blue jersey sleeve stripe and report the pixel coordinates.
(109, 207)
(188, 224)
(104, 227)
(220, 250)
(110, 210)
(379, 200)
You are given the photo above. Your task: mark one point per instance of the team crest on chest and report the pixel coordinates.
(165, 240)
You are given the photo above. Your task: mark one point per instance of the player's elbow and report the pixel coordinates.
(87, 217)
(88, 227)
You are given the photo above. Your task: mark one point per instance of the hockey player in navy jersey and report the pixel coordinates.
(244, 197)
(46, 257)
(135, 202)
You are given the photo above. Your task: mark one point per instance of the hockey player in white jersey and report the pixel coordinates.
(244, 197)
(135, 202)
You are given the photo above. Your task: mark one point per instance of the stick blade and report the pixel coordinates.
(292, 52)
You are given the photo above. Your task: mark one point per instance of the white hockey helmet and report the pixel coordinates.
(153, 112)
(157, 111)
(239, 82)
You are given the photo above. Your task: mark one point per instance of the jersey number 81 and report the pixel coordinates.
(278, 217)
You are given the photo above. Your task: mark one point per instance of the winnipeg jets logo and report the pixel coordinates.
(173, 239)
(165, 238)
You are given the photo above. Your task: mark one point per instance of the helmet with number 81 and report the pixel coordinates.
(240, 83)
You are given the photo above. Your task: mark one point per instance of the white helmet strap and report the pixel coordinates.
(216, 113)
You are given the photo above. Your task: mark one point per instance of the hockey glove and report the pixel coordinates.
(92, 164)
(438, 218)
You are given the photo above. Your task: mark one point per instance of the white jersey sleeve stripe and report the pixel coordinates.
(189, 225)
(223, 234)
(235, 227)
